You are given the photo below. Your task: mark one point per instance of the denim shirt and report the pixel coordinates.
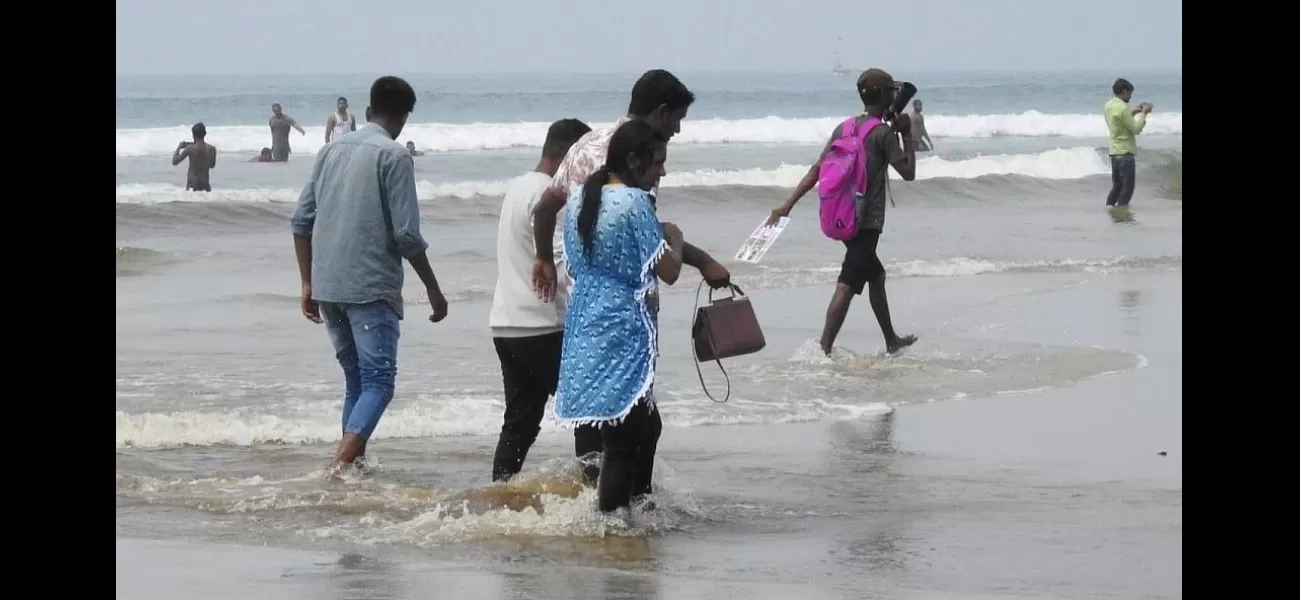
(360, 211)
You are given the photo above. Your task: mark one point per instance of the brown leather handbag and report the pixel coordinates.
(726, 328)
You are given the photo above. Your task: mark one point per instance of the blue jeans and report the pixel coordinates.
(1123, 178)
(365, 342)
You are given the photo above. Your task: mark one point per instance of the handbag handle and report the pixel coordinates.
(731, 287)
(735, 289)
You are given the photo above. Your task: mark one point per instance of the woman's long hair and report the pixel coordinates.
(634, 138)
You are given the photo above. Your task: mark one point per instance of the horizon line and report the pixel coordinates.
(807, 71)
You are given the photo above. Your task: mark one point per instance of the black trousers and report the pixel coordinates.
(1123, 178)
(628, 465)
(530, 369)
(861, 262)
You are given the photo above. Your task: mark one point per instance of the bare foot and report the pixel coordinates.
(899, 343)
(351, 447)
(335, 470)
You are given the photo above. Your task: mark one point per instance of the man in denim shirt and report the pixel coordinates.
(356, 219)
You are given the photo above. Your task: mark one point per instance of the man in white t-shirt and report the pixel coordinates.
(528, 332)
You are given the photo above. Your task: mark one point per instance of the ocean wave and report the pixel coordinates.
(135, 261)
(445, 137)
(765, 277)
(805, 387)
(1060, 163)
(423, 416)
(965, 266)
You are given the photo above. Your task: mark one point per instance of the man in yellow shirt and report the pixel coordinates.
(1124, 125)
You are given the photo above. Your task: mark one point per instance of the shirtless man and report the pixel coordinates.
(410, 147)
(339, 122)
(202, 156)
(280, 124)
(919, 134)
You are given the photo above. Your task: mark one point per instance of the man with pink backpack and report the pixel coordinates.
(852, 179)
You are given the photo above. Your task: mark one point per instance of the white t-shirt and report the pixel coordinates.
(516, 309)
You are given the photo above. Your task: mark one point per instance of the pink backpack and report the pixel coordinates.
(842, 177)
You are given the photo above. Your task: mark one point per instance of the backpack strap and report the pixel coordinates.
(847, 128)
(861, 134)
(851, 127)
(868, 126)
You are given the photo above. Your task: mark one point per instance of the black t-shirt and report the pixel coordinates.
(883, 149)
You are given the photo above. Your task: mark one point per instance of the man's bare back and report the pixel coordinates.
(202, 157)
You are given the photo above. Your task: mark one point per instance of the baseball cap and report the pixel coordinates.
(875, 78)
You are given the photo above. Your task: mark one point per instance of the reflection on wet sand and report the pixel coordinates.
(359, 576)
(582, 584)
(863, 455)
(1129, 301)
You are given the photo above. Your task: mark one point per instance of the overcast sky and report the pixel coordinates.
(518, 36)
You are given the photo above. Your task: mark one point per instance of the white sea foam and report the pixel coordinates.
(444, 137)
(1060, 163)
(421, 416)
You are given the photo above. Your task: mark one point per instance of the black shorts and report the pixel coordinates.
(861, 265)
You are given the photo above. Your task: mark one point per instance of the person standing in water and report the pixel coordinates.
(662, 101)
(356, 219)
(202, 157)
(618, 251)
(339, 122)
(862, 266)
(280, 124)
(1124, 124)
(920, 137)
(528, 332)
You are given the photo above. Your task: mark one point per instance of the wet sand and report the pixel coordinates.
(1052, 493)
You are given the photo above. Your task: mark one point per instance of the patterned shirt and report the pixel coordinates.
(586, 155)
(584, 158)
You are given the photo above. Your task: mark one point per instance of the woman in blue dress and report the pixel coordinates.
(619, 252)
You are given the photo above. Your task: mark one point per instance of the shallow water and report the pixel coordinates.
(1056, 491)
(1013, 452)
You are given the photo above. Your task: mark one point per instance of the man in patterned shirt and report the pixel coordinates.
(659, 99)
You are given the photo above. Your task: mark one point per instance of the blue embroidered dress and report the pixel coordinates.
(611, 330)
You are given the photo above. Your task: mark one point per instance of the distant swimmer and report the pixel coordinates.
(202, 157)
(264, 156)
(280, 124)
(410, 147)
(339, 122)
(919, 134)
